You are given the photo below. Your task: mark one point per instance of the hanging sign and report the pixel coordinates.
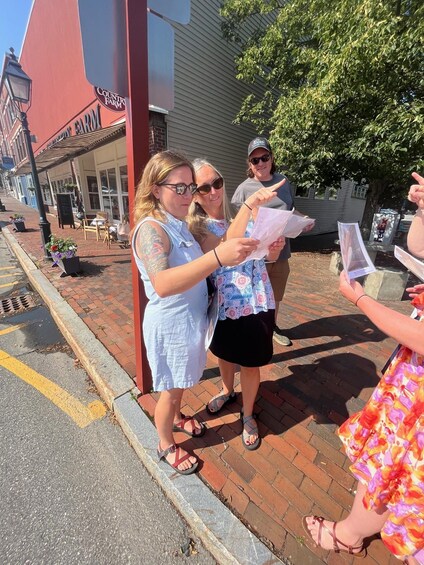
(7, 162)
(109, 99)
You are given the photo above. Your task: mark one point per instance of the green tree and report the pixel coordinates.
(341, 85)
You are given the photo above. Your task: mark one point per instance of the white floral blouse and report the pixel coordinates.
(244, 289)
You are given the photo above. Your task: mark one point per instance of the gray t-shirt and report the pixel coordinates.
(284, 200)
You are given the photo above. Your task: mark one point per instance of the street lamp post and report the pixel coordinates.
(18, 85)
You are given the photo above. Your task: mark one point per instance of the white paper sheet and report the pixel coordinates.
(355, 258)
(270, 224)
(212, 315)
(411, 263)
(296, 225)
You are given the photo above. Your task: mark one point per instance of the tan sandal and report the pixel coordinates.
(250, 428)
(361, 553)
(218, 402)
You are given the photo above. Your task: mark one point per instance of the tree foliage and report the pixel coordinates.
(342, 86)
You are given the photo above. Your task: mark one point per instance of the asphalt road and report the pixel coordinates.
(72, 489)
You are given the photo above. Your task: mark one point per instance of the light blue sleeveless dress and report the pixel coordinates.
(174, 327)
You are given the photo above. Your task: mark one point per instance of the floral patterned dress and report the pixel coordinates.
(385, 442)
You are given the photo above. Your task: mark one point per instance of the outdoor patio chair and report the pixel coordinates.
(88, 228)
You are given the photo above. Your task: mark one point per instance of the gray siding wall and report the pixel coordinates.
(208, 96)
(207, 100)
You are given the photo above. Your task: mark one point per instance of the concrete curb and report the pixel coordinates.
(224, 535)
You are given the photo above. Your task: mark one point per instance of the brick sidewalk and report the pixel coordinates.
(306, 392)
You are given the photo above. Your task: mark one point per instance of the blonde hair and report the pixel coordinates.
(155, 172)
(196, 215)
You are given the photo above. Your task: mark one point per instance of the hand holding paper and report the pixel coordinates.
(355, 258)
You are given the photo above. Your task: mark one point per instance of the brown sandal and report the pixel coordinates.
(178, 460)
(336, 542)
(181, 426)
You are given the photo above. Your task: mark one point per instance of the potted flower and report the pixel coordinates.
(18, 222)
(63, 252)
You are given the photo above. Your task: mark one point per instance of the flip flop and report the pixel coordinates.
(178, 460)
(197, 432)
(336, 542)
(215, 402)
(253, 429)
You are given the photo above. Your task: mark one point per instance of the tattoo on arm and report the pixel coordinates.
(151, 250)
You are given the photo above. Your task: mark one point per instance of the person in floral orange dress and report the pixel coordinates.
(385, 440)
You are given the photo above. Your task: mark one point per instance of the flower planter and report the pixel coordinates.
(69, 266)
(19, 226)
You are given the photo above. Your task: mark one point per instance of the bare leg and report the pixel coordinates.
(360, 524)
(227, 371)
(250, 378)
(277, 307)
(168, 410)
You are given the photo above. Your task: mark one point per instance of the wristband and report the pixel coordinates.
(247, 206)
(358, 299)
(217, 258)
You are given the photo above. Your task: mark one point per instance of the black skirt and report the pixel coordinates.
(246, 341)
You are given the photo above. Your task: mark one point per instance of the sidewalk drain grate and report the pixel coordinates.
(16, 304)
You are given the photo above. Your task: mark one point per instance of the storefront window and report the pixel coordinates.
(110, 193)
(93, 193)
(47, 197)
(123, 172)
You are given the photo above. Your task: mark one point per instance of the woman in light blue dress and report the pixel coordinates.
(173, 269)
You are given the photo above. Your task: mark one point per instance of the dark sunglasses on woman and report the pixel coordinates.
(263, 158)
(206, 188)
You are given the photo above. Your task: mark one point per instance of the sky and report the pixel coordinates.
(13, 20)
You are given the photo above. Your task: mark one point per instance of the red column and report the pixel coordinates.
(137, 138)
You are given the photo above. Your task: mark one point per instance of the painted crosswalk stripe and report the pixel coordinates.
(8, 284)
(9, 275)
(7, 268)
(82, 415)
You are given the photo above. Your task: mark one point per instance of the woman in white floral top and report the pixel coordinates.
(244, 330)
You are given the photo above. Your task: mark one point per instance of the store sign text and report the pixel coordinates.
(109, 99)
(89, 122)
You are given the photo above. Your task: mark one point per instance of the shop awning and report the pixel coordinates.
(71, 147)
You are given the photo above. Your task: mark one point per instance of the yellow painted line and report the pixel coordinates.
(7, 268)
(9, 275)
(8, 284)
(12, 329)
(82, 415)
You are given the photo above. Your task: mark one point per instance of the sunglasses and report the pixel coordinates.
(180, 188)
(263, 158)
(206, 188)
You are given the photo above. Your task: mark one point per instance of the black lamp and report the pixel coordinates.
(18, 85)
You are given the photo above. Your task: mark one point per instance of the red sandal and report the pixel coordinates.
(181, 426)
(178, 460)
(336, 542)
